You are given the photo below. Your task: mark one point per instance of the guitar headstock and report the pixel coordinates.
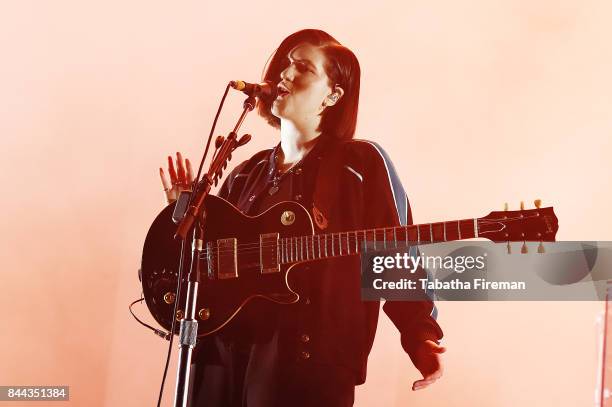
(524, 225)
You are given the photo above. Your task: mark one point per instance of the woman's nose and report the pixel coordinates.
(287, 74)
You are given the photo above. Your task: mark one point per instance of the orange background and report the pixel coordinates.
(477, 102)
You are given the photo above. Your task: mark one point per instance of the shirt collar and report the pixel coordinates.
(315, 153)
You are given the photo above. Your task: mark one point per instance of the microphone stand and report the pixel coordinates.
(195, 218)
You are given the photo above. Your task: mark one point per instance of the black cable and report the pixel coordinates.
(210, 135)
(178, 291)
(158, 332)
(180, 273)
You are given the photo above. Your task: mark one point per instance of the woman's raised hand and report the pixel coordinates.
(180, 179)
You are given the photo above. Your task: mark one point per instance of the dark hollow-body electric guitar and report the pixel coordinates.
(243, 257)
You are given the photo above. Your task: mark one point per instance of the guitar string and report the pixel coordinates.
(309, 246)
(340, 235)
(304, 247)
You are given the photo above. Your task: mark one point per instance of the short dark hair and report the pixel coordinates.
(342, 68)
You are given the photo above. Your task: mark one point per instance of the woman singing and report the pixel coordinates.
(315, 352)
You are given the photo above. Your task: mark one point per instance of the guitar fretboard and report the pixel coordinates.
(323, 246)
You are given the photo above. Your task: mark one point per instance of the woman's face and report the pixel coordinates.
(304, 86)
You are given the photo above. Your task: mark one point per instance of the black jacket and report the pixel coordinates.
(331, 325)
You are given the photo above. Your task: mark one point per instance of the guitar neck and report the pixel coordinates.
(324, 246)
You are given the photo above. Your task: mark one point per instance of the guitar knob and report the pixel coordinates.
(522, 205)
(506, 206)
(204, 314)
(179, 315)
(537, 203)
(169, 297)
(524, 248)
(541, 248)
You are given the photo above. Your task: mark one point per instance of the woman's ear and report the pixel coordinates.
(334, 97)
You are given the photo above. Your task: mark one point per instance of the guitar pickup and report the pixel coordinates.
(227, 258)
(268, 253)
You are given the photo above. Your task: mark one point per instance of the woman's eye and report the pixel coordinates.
(302, 67)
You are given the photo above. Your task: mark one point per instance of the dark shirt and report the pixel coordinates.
(330, 325)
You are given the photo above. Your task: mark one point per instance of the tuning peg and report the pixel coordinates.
(522, 205)
(509, 248)
(541, 248)
(244, 139)
(537, 203)
(524, 248)
(506, 206)
(219, 141)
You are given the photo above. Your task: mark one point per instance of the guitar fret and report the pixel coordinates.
(348, 244)
(365, 241)
(319, 242)
(282, 253)
(348, 250)
(307, 258)
(325, 239)
(312, 255)
(312, 246)
(431, 232)
(332, 239)
(444, 226)
(302, 247)
(475, 227)
(418, 234)
(459, 228)
(356, 243)
(296, 249)
(406, 230)
(384, 238)
(395, 237)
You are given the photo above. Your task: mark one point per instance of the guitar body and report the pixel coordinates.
(221, 293)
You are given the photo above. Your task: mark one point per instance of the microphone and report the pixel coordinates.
(253, 89)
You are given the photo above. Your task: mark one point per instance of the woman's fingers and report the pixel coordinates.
(171, 171)
(165, 183)
(189, 171)
(181, 177)
(180, 170)
(168, 190)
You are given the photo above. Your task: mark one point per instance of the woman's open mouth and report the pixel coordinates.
(281, 92)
